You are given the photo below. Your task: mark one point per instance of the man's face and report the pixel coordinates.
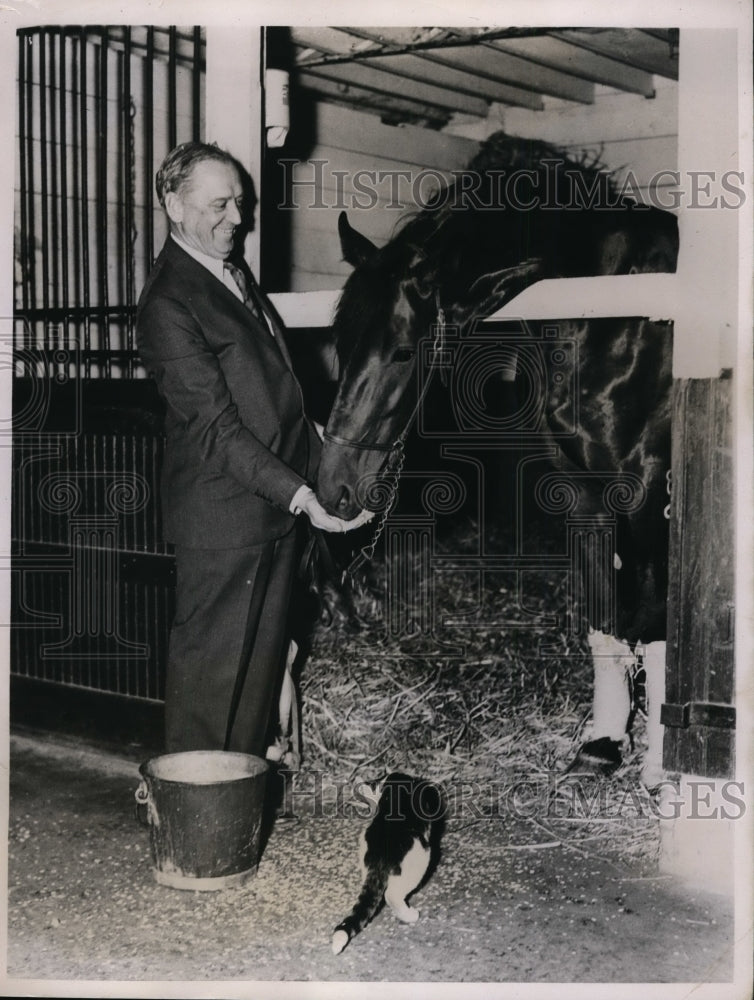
(207, 211)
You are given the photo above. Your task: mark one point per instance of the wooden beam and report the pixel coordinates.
(328, 40)
(426, 71)
(382, 104)
(380, 81)
(420, 67)
(708, 262)
(506, 68)
(580, 62)
(236, 125)
(398, 37)
(633, 48)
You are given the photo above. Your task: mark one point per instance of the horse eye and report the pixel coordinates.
(402, 355)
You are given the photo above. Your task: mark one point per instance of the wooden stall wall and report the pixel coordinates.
(626, 131)
(332, 162)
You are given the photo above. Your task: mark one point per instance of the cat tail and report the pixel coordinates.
(366, 906)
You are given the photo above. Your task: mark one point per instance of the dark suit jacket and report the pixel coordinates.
(238, 443)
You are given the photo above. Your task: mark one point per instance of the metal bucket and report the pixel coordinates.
(204, 812)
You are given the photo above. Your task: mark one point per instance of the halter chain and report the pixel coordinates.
(395, 451)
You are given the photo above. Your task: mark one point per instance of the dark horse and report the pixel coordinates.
(521, 212)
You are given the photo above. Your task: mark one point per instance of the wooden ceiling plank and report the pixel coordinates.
(329, 41)
(416, 68)
(360, 98)
(390, 84)
(399, 37)
(577, 61)
(507, 68)
(662, 33)
(634, 48)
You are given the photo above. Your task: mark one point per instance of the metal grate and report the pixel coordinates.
(91, 127)
(92, 581)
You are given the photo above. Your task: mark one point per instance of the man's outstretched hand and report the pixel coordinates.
(328, 522)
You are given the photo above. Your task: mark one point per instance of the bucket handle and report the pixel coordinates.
(145, 809)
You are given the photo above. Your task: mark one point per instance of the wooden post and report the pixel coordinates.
(234, 106)
(699, 714)
(700, 679)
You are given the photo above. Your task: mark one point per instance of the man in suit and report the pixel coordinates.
(239, 456)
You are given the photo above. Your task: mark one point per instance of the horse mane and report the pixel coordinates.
(509, 152)
(504, 154)
(444, 226)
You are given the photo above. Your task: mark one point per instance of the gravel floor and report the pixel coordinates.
(84, 906)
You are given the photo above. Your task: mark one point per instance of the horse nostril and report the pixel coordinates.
(343, 499)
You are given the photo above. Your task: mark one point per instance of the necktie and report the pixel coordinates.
(246, 294)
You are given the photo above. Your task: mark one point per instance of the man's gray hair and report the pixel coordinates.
(178, 165)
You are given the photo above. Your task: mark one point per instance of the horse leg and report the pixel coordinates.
(611, 705)
(286, 748)
(654, 673)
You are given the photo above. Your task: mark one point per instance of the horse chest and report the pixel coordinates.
(609, 407)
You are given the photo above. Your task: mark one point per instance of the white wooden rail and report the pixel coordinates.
(656, 296)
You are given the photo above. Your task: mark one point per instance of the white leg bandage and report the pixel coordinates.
(611, 704)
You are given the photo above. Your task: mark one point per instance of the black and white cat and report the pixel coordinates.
(396, 849)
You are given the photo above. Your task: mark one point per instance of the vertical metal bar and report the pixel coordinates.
(84, 228)
(144, 542)
(43, 171)
(54, 245)
(196, 81)
(23, 245)
(104, 344)
(30, 234)
(128, 198)
(63, 175)
(77, 153)
(172, 95)
(149, 148)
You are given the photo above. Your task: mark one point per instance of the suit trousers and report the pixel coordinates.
(214, 591)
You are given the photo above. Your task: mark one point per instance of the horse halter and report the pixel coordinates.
(394, 451)
(437, 346)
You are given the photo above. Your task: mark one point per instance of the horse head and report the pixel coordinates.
(385, 308)
(390, 303)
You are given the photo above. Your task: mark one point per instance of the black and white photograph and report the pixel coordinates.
(376, 469)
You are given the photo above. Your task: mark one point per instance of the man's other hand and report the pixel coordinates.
(327, 522)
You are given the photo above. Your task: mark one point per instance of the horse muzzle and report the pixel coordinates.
(352, 475)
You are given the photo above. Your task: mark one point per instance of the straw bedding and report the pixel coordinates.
(500, 720)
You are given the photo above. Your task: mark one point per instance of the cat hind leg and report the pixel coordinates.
(413, 869)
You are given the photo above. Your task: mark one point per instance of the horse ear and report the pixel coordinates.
(357, 249)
